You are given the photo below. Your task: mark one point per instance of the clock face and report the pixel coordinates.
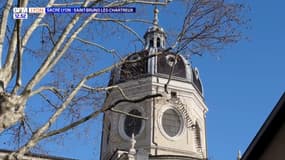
(132, 125)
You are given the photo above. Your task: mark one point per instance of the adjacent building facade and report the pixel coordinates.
(269, 142)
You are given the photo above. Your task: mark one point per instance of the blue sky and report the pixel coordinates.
(245, 82)
(242, 83)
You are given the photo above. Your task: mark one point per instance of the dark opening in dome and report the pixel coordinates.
(135, 67)
(165, 62)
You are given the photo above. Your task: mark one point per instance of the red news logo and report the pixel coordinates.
(37, 10)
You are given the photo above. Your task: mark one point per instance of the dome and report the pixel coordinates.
(142, 64)
(155, 60)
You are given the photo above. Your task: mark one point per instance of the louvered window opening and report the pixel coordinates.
(198, 136)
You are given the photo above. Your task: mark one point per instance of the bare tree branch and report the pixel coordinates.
(13, 42)
(106, 89)
(52, 57)
(52, 89)
(3, 26)
(34, 25)
(123, 20)
(128, 114)
(19, 57)
(123, 25)
(111, 51)
(209, 25)
(48, 101)
(36, 136)
(170, 74)
(96, 113)
(27, 123)
(49, 32)
(72, 125)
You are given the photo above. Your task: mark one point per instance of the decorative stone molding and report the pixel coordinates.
(181, 107)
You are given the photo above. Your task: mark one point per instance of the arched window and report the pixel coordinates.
(158, 45)
(151, 43)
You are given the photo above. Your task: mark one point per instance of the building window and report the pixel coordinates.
(132, 125)
(158, 42)
(136, 69)
(173, 95)
(171, 122)
(151, 43)
(166, 61)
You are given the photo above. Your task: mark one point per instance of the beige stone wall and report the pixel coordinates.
(184, 144)
(132, 89)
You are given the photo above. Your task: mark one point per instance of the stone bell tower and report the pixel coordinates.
(173, 126)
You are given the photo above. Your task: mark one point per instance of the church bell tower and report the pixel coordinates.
(170, 127)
